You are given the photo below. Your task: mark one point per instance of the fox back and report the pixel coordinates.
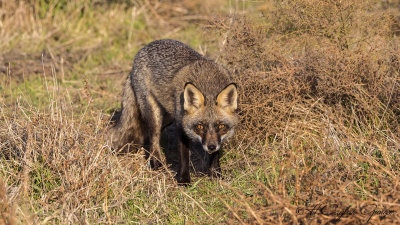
(164, 69)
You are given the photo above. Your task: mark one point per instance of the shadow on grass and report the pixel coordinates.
(198, 157)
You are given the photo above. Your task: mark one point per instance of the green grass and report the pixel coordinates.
(308, 153)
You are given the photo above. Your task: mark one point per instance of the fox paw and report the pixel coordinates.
(183, 180)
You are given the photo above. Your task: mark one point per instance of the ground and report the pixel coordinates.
(319, 106)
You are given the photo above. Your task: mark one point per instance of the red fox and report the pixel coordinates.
(170, 82)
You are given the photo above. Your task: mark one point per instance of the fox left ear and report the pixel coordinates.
(193, 98)
(227, 98)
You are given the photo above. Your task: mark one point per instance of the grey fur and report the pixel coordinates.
(153, 98)
(129, 128)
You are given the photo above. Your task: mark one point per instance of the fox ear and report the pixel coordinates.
(193, 98)
(227, 98)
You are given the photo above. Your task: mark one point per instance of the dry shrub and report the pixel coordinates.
(361, 80)
(7, 214)
(319, 94)
(62, 167)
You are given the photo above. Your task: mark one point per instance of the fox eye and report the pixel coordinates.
(221, 126)
(200, 126)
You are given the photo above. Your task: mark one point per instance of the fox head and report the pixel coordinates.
(211, 120)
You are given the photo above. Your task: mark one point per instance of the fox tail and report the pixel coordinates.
(128, 128)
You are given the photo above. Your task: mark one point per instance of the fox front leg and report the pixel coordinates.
(154, 119)
(214, 166)
(184, 173)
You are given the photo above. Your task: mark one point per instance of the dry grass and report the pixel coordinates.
(319, 140)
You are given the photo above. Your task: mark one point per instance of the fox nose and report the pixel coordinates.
(211, 147)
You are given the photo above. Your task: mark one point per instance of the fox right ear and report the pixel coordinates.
(227, 98)
(193, 98)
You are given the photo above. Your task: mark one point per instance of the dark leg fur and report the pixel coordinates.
(214, 167)
(184, 173)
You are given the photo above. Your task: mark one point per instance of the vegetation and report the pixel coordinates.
(318, 142)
